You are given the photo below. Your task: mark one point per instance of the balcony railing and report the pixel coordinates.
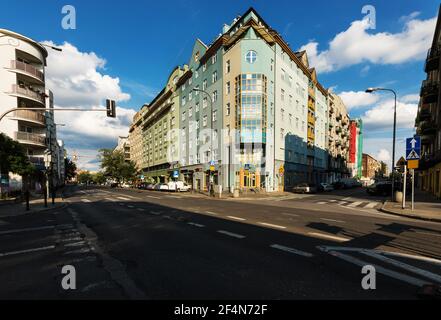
(432, 60)
(28, 93)
(30, 137)
(30, 69)
(33, 116)
(429, 91)
(36, 160)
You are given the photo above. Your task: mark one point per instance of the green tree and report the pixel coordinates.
(85, 177)
(13, 157)
(99, 178)
(116, 167)
(70, 169)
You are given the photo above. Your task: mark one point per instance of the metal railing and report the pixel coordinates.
(28, 93)
(30, 69)
(32, 137)
(34, 116)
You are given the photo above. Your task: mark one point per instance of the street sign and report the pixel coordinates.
(247, 166)
(212, 163)
(281, 170)
(176, 174)
(412, 164)
(413, 148)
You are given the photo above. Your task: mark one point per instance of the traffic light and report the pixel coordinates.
(111, 109)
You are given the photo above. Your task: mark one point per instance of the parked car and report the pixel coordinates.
(338, 185)
(178, 186)
(383, 188)
(151, 186)
(324, 187)
(305, 188)
(161, 187)
(142, 186)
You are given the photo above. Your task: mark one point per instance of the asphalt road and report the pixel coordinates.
(130, 244)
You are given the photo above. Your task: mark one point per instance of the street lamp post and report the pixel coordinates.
(371, 90)
(211, 133)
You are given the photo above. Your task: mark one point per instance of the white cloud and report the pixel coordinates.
(78, 80)
(356, 99)
(415, 98)
(356, 45)
(380, 117)
(383, 155)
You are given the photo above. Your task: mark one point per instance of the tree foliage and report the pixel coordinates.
(116, 167)
(70, 169)
(13, 157)
(85, 177)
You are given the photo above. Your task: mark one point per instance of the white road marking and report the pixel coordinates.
(153, 197)
(412, 256)
(371, 205)
(196, 224)
(71, 239)
(27, 229)
(429, 233)
(86, 200)
(332, 200)
(75, 244)
(342, 203)
(212, 213)
(121, 204)
(290, 214)
(292, 250)
(130, 206)
(156, 213)
(327, 236)
(231, 234)
(110, 199)
(403, 265)
(379, 269)
(322, 202)
(236, 218)
(355, 204)
(123, 198)
(82, 250)
(26, 251)
(140, 209)
(332, 220)
(272, 225)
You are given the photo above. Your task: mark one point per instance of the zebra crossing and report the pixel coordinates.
(351, 204)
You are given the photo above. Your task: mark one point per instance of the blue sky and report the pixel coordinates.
(137, 43)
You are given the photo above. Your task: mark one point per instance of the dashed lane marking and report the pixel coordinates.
(153, 197)
(123, 198)
(291, 250)
(322, 202)
(236, 218)
(272, 225)
(212, 213)
(11, 253)
(195, 224)
(140, 209)
(86, 200)
(332, 220)
(231, 234)
(327, 236)
(355, 204)
(27, 229)
(130, 206)
(156, 213)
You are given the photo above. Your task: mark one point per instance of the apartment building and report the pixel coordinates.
(22, 85)
(124, 147)
(370, 166)
(355, 147)
(160, 130)
(246, 112)
(428, 120)
(338, 138)
(135, 138)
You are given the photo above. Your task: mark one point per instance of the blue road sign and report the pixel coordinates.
(413, 148)
(175, 174)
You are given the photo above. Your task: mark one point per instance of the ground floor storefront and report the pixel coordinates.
(430, 180)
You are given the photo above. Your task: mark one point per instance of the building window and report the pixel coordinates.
(183, 116)
(228, 67)
(204, 121)
(214, 77)
(214, 115)
(228, 87)
(251, 56)
(190, 112)
(214, 58)
(196, 92)
(214, 96)
(190, 95)
(204, 103)
(197, 107)
(228, 109)
(282, 134)
(204, 84)
(282, 114)
(272, 64)
(196, 74)
(283, 75)
(183, 101)
(204, 67)
(282, 94)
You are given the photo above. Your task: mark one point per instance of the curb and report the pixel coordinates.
(62, 206)
(382, 209)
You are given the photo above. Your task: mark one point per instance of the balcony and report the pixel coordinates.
(429, 91)
(28, 69)
(432, 60)
(30, 138)
(428, 128)
(28, 93)
(424, 115)
(30, 116)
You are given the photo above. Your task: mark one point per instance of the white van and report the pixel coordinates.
(178, 186)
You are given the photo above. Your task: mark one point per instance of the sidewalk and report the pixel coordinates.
(427, 208)
(35, 205)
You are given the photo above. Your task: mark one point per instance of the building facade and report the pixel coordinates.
(22, 85)
(338, 139)
(355, 147)
(428, 120)
(370, 166)
(135, 138)
(246, 112)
